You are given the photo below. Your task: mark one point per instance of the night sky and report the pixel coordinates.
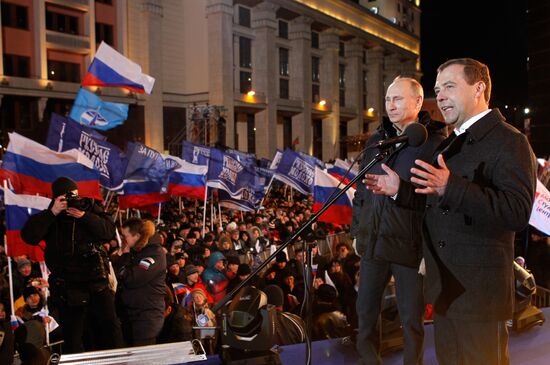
(493, 32)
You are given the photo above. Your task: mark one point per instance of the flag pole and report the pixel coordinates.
(45, 275)
(204, 210)
(10, 275)
(158, 218)
(266, 193)
(179, 204)
(220, 212)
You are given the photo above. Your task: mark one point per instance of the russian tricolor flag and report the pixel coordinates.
(18, 210)
(188, 180)
(323, 187)
(31, 168)
(141, 193)
(110, 68)
(340, 171)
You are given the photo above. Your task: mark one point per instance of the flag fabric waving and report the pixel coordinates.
(89, 110)
(18, 210)
(227, 173)
(540, 214)
(110, 68)
(187, 180)
(141, 193)
(197, 154)
(108, 159)
(31, 168)
(147, 164)
(324, 186)
(296, 170)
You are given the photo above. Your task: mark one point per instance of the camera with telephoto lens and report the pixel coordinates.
(78, 202)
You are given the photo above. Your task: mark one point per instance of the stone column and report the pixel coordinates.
(354, 85)
(329, 42)
(219, 14)
(393, 68)
(375, 83)
(40, 53)
(153, 111)
(265, 78)
(300, 81)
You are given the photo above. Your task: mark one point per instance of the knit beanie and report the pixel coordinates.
(63, 185)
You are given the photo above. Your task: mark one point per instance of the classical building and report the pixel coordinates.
(250, 74)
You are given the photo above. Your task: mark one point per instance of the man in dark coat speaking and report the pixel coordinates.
(476, 194)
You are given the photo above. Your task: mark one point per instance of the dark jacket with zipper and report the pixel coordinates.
(141, 289)
(383, 229)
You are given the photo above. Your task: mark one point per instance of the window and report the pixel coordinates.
(245, 52)
(342, 49)
(343, 139)
(104, 32)
(315, 40)
(63, 71)
(19, 113)
(315, 66)
(287, 132)
(342, 84)
(15, 16)
(283, 61)
(283, 88)
(364, 89)
(283, 29)
(106, 2)
(251, 133)
(244, 17)
(19, 66)
(61, 22)
(245, 82)
(315, 93)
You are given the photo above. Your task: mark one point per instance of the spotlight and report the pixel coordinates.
(323, 102)
(251, 93)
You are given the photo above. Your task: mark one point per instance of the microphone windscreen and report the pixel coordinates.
(416, 134)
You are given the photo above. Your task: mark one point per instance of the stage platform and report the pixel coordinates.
(528, 348)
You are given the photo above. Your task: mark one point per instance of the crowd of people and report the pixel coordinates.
(143, 280)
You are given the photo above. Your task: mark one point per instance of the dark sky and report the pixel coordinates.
(493, 32)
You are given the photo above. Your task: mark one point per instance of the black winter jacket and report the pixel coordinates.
(383, 229)
(141, 288)
(69, 241)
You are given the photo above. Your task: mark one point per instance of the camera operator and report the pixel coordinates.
(73, 229)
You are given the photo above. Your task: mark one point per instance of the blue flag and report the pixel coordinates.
(147, 164)
(88, 109)
(225, 172)
(297, 170)
(65, 134)
(197, 154)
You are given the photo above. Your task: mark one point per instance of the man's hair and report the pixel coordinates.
(474, 71)
(415, 85)
(145, 228)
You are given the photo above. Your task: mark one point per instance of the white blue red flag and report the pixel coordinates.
(324, 186)
(110, 68)
(31, 168)
(18, 210)
(187, 180)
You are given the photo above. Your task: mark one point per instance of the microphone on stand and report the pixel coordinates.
(415, 134)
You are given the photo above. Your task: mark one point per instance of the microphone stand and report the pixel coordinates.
(379, 157)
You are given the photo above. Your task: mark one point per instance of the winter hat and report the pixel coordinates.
(199, 291)
(22, 263)
(231, 226)
(231, 259)
(29, 290)
(281, 257)
(244, 269)
(191, 269)
(326, 293)
(63, 185)
(275, 295)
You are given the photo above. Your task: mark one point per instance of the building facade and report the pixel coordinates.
(249, 74)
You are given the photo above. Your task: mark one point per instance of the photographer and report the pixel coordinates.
(73, 229)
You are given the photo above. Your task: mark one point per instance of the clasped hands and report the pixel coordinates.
(427, 178)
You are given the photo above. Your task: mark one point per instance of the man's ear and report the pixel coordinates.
(480, 89)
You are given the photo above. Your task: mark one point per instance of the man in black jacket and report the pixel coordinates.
(388, 237)
(78, 280)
